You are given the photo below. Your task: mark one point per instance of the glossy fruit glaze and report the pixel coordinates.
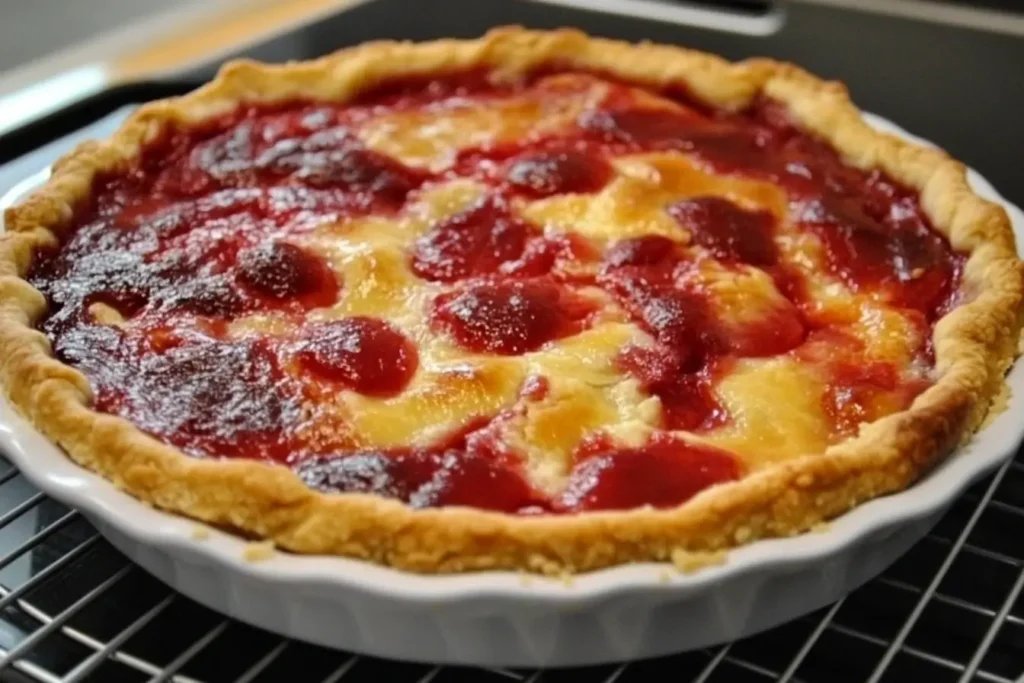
(206, 228)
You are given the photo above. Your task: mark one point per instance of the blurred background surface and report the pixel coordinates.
(32, 29)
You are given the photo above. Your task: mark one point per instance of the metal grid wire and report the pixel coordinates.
(73, 609)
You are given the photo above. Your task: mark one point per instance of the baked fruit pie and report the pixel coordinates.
(535, 301)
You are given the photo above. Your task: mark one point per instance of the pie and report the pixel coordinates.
(536, 301)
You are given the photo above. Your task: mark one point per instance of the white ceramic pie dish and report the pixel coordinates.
(504, 618)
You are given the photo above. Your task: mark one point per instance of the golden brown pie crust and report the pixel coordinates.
(975, 344)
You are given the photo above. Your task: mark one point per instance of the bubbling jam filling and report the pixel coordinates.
(462, 469)
(510, 317)
(730, 233)
(662, 473)
(478, 241)
(363, 354)
(557, 171)
(154, 292)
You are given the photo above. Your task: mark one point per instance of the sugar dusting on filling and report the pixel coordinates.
(564, 295)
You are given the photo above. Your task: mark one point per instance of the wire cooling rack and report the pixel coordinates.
(73, 609)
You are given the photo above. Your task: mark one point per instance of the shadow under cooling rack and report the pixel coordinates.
(73, 609)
